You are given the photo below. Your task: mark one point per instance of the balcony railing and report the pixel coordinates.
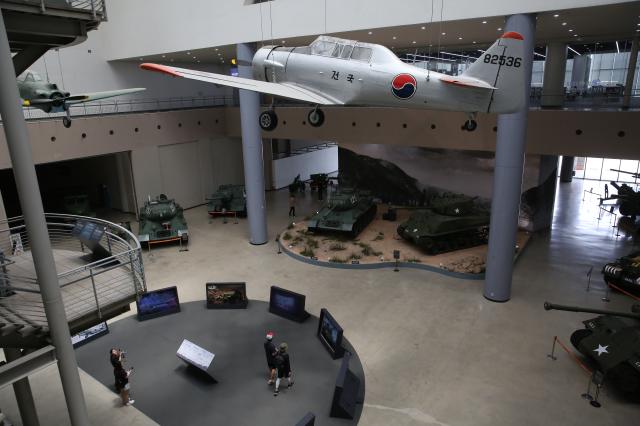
(96, 8)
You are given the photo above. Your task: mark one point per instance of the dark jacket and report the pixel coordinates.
(270, 351)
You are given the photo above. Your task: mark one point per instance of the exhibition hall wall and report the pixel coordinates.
(320, 161)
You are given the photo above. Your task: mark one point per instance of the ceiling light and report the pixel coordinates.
(459, 38)
(198, 61)
(370, 32)
(484, 22)
(394, 37)
(164, 56)
(570, 30)
(575, 35)
(219, 54)
(172, 60)
(284, 41)
(499, 29)
(414, 42)
(216, 49)
(638, 31)
(473, 42)
(556, 15)
(444, 33)
(564, 23)
(188, 53)
(423, 28)
(142, 59)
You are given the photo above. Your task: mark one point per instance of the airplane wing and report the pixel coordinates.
(284, 90)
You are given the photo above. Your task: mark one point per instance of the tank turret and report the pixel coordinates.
(228, 198)
(624, 273)
(612, 342)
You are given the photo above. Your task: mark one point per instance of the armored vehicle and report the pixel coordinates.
(628, 200)
(452, 222)
(319, 181)
(161, 220)
(624, 273)
(297, 185)
(77, 204)
(612, 342)
(347, 211)
(228, 198)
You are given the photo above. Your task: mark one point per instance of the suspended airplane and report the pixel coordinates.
(335, 71)
(37, 93)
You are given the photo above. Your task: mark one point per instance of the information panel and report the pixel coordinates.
(193, 354)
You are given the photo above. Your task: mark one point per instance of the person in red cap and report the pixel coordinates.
(270, 351)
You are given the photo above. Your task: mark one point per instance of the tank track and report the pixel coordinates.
(454, 241)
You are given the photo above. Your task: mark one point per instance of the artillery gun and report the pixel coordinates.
(297, 185)
(624, 273)
(228, 199)
(612, 342)
(452, 222)
(348, 211)
(162, 220)
(627, 199)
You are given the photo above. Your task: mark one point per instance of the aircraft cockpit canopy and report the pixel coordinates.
(340, 48)
(31, 77)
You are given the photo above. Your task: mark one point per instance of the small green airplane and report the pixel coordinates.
(38, 93)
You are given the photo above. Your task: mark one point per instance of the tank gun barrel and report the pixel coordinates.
(615, 185)
(633, 174)
(635, 314)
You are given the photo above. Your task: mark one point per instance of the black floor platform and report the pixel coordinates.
(172, 394)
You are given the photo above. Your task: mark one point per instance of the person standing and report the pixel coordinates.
(292, 205)
(115, 357)
(283, 366)
(270, 351)
(122, 383)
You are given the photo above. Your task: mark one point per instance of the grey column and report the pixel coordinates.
(252, 151)
(631, 73)
(566, 169)
(507, 177)
(555, 66)
(29, 193)
(22, 389)
(580, 73)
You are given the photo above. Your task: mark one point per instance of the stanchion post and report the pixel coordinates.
(589, 278)
(278, 244)
(606, 295)
(587, 394)
(552, 355)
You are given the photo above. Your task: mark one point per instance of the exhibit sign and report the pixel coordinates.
(345, 393)
(287, 304)
(226, 295)
(92, 333)
(194, 355)
(157, 303)
(330, 334)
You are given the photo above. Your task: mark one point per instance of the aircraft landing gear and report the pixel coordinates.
(316, 117)
(268, 120)
(471, 124)
(66, 120)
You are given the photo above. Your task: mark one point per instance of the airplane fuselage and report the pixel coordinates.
(387, 83)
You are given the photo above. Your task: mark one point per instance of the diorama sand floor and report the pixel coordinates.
(382, 237)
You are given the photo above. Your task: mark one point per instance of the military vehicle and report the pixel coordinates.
(624, 273)
(627, 199)
(612, 342)
(161, 220)
(297, 185)
(348, 211)
(228, 198)
(77, 204)
(451, 222)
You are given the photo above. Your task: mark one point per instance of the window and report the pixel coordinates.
(361, 54)
(323, 48)
(346, 52)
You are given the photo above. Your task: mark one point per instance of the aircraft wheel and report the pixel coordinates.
(470, 125)
(316, 117)
(66, 122)
(268, 120)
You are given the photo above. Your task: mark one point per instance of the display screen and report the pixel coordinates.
(287, 303)
(226, 295)
(330, 333)
(159, 302)
(89, 334)
(87, 231)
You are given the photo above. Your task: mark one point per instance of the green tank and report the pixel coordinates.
(452, 222)
(612, 342)
(347, 211)
(161, 220)
(228, 198)
(77, 204)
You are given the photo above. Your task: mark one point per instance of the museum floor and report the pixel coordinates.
(434, 351)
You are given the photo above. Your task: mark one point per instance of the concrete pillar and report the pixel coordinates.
(507, 178)
(252, 151)
(29, 192)
(5, 238)
(22, 389)
(580, 73)
(631, 73)
(566, 169)
(555, 66)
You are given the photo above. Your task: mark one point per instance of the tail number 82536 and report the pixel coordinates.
(508, 61)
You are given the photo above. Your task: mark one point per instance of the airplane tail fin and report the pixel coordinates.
(501, 66)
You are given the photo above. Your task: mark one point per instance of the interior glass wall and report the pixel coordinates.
(606, 169)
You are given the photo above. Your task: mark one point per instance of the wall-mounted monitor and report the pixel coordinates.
(330, 334)
(85, 336)
(287, 304)
(345, 393)
(157, 303)
(226, 295)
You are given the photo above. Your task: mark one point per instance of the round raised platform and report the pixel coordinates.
(172, 394)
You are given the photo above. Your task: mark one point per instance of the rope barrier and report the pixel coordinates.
(623, 291)
(570, 353)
